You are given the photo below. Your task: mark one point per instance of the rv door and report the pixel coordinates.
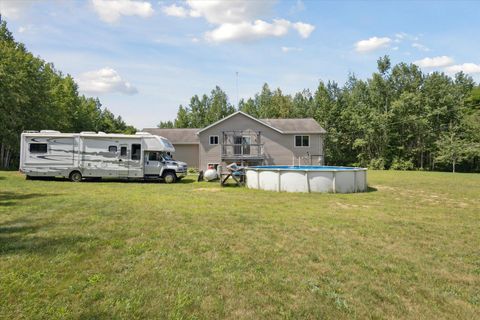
(135, 168)
(123, 161)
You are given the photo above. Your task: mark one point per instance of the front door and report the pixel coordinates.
(152, 163)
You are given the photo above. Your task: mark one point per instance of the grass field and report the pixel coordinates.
(409, 248)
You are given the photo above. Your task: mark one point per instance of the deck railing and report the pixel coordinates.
(242, 144)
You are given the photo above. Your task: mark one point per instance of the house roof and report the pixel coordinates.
(308, 125)
(242, 113)
(285, 126)
(177, 136)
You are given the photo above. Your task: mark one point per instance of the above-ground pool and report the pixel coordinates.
(307, 178)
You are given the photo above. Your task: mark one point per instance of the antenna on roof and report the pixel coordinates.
(236, 79)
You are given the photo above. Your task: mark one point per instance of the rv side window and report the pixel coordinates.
(123, 151)
(136, 151)
(112, 149)
(38, 148)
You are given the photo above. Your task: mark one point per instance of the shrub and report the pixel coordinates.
(401, 164)
(377, 164)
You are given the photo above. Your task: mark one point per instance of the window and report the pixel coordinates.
(112, 149)
(167, 143)
(213, 139)
(153, 156)
(136, 151)
(38, 147)
(123, 151)
(302, 141)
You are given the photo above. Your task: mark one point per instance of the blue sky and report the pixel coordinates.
(144, 58)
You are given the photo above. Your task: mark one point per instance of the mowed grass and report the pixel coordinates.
(409, 248)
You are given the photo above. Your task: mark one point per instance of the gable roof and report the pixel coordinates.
(177, 136)
(307, 125)
(234, 114)
(284, 126)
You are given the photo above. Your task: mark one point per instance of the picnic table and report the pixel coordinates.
(235, 172)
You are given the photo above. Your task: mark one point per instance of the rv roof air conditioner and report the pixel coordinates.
(49, 131)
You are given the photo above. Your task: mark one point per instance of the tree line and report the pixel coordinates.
(399, 118)
(35, 96)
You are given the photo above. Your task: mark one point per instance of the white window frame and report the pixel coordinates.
(210, 140)
(301, 135)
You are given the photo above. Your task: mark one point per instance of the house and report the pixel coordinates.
(242, 138)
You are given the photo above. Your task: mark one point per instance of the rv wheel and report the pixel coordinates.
(169, 177)
(75, 176)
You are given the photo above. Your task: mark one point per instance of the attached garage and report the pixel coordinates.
(185, 141)
(187, 153)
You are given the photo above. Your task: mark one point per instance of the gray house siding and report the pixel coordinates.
(279, 149)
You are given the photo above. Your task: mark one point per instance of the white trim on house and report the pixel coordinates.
(301, 135)
(210, 140)
(239, 112)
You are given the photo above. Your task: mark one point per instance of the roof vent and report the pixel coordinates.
(88, 132)
(101, 132)
(143, 133)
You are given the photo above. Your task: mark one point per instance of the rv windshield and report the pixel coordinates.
(166, 156)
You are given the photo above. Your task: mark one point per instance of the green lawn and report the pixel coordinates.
(409, 248)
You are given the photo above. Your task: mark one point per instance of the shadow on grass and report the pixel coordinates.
(19, 236)
(11, 198)
(112, 180)
(371, 189)
(187, 180)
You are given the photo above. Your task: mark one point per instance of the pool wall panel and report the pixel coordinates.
(293, 181)
(268, 180)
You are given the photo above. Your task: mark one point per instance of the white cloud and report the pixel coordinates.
(434, 62)
(466, 68)
(105, 80)
(420, 46)
(232, 11)
(237, 20)
(372, 44)
(112, 10)
(304, 29)
(290, 49)
(400, 35)
(13, 9)
(175, 11)
(246, 31)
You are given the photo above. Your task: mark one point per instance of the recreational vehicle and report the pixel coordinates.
(98, 155)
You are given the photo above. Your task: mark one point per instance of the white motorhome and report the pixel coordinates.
(98, 155)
